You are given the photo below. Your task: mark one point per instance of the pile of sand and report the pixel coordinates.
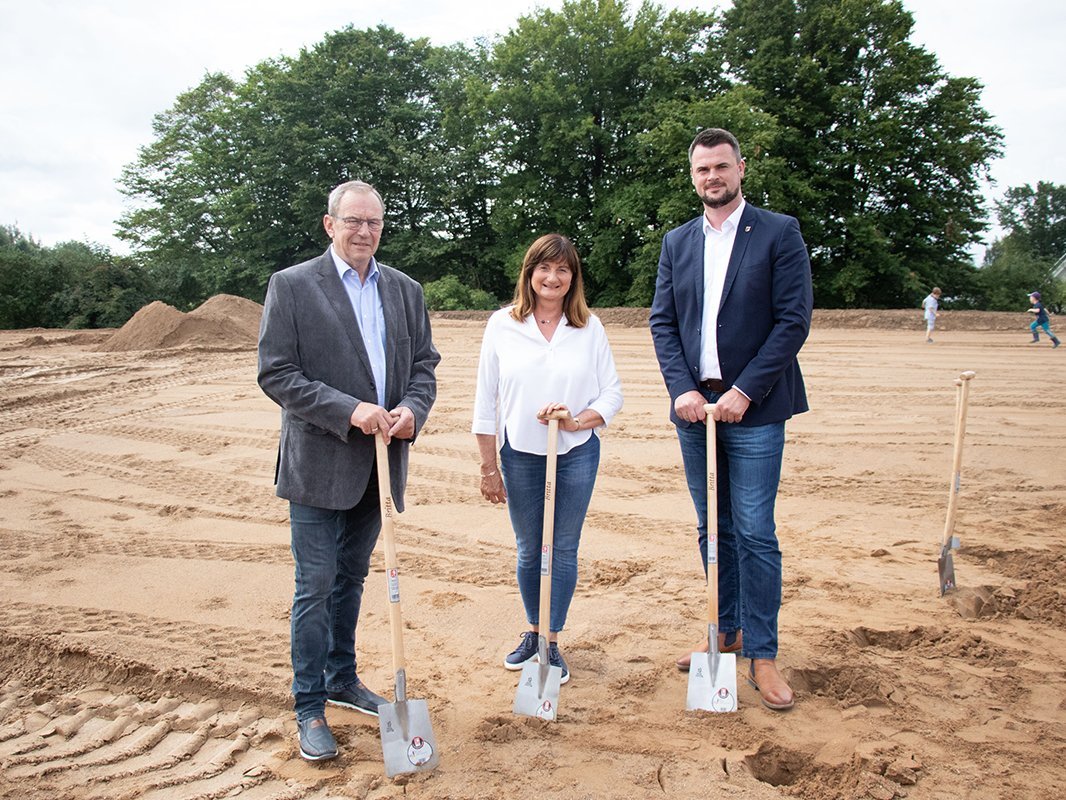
(221, 322)
(227, 322)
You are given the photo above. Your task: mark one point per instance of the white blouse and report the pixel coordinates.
(520, 372)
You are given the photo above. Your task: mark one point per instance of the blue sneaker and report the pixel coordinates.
(555, 658)
(526, 651)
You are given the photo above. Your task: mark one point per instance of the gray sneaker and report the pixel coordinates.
(526, 651)
(316, 739)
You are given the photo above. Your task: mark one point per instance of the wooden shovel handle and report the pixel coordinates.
(548, 532)
(962, 400)
(712, 516)
(392, 567)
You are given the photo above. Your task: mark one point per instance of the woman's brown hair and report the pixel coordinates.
(552, 248)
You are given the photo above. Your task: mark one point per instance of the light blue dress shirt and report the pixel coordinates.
(366, 303)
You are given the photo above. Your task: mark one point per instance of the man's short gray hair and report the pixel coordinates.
(358, 187)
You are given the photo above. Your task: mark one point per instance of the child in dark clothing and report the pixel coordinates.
(1041, 320)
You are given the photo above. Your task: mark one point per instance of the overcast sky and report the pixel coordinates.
(81, 81)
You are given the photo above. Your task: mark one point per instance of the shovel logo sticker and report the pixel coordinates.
(419, 752)
(546, 710)
(394, 585)
(723, 700)
(699, 672)
(545, 560)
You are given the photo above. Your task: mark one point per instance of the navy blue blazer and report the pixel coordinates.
(763, 319)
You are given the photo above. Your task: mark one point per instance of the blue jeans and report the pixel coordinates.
(332, 554)
(523, 477)
(749, 559)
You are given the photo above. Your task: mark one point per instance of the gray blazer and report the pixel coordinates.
(313, 363)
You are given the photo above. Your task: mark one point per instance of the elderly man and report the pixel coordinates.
(732, 308)
(345, 349)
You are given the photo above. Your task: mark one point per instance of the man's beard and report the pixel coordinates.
(724, 200)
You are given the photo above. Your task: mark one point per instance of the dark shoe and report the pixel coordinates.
(772, 703)
(1055, 343)
(727, 643)
(526, 651)
(555, 659)
(359, 698)
(316, 739)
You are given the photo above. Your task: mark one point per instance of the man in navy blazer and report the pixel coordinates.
(732, 309)
(345, 349)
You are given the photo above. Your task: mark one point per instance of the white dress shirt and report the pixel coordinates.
(717, 248)
(520, 372)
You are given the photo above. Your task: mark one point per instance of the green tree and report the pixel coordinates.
(891, 148)
(234, 186)
(575, 91)
(71, 285)
(1023, 260)
(450, 293)
(28, 282)
(1035, 219)
(184, 183)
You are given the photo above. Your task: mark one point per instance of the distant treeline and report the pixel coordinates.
(578, 121)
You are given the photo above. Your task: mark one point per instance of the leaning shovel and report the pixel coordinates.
(946, 563)
(538, 688)
(407, 740)
(712, 676)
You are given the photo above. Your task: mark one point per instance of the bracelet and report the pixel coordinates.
(489, 474)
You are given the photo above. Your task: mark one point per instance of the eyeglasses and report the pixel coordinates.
(355, 223)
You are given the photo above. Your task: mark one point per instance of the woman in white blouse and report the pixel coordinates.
(546, 352)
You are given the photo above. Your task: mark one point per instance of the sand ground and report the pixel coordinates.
(145, 583)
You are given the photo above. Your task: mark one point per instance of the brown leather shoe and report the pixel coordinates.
(727, 643)
(774, 692)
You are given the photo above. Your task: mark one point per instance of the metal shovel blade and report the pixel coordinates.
(407, 740)
(538, 688)
(946, 566)
(712, 689)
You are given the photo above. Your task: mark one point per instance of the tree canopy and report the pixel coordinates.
(578, 121)
(1023, 260)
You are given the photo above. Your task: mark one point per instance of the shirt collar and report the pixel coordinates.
(343, 267)
(732, 222)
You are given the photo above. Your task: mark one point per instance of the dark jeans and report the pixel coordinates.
(332, 554)
(749, 559)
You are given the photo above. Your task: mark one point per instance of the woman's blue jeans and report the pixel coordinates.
(749, 559)
(523, 477)
(332, 551)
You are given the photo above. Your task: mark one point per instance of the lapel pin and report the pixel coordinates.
(747, 229)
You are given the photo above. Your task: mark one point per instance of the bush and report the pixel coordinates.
(451, 294)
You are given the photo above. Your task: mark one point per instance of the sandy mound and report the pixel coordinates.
(221, 322)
